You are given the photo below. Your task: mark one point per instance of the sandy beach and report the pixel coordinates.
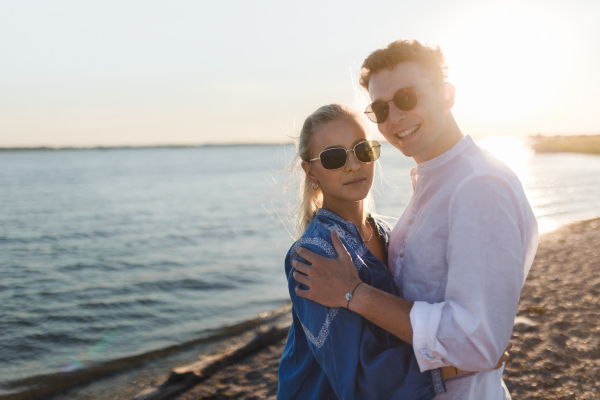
(557, 345)
(556, 352)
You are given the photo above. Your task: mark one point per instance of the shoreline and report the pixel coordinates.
(556, 353)
(61, 384)
(582, 144)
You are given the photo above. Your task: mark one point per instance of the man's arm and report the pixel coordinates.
(486, 267)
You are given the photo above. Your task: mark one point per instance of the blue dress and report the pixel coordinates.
(334, 353)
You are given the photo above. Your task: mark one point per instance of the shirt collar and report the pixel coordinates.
(442, 159)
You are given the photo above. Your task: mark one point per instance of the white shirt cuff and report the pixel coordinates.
(425, 320)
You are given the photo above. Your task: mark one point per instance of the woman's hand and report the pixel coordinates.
(505, 357)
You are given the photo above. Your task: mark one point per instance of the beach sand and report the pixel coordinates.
(556, 352)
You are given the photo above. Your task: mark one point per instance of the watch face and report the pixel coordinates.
(348, 296)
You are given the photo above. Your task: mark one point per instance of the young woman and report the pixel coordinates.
(334, 353)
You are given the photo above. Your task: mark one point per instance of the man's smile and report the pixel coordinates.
(407, 132)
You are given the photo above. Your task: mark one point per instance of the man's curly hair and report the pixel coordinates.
(430, 59)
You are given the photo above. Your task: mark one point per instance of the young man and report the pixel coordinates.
(463, 246)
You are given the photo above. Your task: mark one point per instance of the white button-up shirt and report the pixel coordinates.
(461, 252)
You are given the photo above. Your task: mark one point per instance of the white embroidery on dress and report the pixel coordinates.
(315, 241)
(359, 249)
(438, 382)
(327, 248)
(324, 332)
(349, 225)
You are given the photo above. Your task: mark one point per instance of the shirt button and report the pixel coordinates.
(401, 254)
(410, 221)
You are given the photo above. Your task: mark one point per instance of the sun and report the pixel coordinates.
(508, 62)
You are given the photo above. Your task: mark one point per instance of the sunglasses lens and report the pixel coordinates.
(406, 99)
(333, 158)
(367, 151)
(378, 111)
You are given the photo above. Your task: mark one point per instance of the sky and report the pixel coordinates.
(113, 73)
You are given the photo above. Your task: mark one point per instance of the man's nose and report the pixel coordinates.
(395, 114)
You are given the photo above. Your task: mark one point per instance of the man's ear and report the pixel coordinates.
(447, 95)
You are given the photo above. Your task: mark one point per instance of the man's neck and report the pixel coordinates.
(447, 140)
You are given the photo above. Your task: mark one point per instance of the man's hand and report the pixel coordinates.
(328, 280)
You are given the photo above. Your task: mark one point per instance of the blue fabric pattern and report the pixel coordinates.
(334, 353)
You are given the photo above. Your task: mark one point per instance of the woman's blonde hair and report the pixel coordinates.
(310, 199)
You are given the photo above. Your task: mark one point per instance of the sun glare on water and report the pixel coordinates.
(544, 198)
(505, 66)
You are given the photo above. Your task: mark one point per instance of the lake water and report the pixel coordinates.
(112, 253)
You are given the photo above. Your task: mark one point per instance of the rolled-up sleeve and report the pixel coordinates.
(486, 251)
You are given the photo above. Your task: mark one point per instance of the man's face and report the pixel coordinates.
(416, 133)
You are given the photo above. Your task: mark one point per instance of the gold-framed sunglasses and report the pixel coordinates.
(337, 157)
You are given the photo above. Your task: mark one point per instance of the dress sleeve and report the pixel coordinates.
(486, 252)
(358, 363)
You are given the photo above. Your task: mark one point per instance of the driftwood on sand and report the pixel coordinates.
(185, 377)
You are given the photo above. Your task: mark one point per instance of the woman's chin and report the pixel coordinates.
(349, 193)
(355, 194)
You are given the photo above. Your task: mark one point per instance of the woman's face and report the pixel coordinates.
(353, 181)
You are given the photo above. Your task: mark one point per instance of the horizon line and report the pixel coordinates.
(190, 146)
(141, 146)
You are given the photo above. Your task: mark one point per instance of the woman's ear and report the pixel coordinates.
(306, 166)
(448, 95)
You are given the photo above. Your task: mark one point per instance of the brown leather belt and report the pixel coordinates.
(450, 372)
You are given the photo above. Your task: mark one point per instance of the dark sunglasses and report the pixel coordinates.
(405, 99)
(336, 158)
